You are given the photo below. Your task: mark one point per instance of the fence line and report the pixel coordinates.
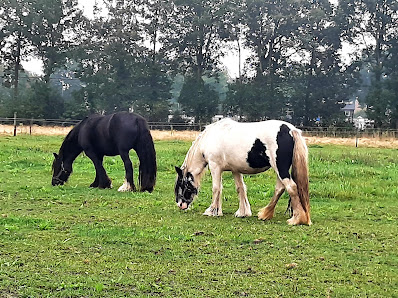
(334, 132)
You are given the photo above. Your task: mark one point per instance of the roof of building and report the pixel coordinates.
(349, 107)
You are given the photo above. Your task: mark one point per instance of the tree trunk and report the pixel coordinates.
(17, 67)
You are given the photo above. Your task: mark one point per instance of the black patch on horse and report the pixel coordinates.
(256, 157)
(184, 190)
(284, 153)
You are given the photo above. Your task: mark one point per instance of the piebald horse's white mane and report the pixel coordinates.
(250, 148)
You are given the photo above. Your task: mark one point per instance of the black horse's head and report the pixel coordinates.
(185, 190)
(61, 172)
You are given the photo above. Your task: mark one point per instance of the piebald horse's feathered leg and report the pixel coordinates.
(244, 205)
(299, 214)
(215, 208)
(268, 211)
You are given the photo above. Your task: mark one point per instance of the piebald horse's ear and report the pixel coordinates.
(190, 176)
(55, 155)
(179, 172)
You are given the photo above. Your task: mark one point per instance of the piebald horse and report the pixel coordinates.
(248, 148)
(109, 135)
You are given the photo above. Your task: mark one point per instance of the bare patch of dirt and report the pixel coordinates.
(191, 135)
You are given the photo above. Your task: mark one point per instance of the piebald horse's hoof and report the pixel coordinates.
(298, 221)
(213, 212)
(243, 214)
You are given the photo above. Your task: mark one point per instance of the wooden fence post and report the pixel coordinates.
(15, 124)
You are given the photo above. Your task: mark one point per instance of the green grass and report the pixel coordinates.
(73, 241)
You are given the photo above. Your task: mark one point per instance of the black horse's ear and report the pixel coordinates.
(179, 172)
(55, 155)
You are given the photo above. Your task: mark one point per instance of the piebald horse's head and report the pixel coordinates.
(185, 189)
(61, 171)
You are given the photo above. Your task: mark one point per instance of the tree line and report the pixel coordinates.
(163, 57)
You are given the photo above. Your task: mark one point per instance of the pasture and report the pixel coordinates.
(73, 241)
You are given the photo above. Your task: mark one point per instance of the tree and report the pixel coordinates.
(42, 101)
(198, 99)
(155, 79)
(245, 100)
(15, 43)
(317, 43)
(194, 41)
(56, 28)
(270, 27)
(375, 27)
(119, 71)
(41, 28)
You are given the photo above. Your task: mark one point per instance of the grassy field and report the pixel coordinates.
(73, 241)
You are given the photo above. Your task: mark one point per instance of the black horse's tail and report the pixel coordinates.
(147, 156)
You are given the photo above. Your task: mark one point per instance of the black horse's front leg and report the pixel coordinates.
(101, 178)
(96, 182)
(128, 184)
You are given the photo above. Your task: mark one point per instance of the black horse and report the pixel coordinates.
(109, 135)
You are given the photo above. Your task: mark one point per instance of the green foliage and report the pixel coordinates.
(252, 102)
(118, 72)
(194, 36)
(35, 100)
(198, 99)
(381, 56)
(44, 29)
(42, 101)
(129, 54)
(73, 241)
(56, 31)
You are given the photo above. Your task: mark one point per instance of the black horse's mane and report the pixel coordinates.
(72, 137)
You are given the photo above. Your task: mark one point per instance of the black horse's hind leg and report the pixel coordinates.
(128, 184)
(101, 178)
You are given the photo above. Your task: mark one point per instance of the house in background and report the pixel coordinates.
(357, 115)
(349, 110)
(362, 123)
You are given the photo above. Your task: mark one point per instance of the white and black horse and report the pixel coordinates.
(109, 135)
(248, 148)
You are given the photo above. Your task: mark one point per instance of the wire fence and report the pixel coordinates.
(344, 132)
(28, 125)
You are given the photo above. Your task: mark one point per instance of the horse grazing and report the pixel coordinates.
(109, 135)
(248, 148)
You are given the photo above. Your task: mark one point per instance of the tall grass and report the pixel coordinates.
(74, 241)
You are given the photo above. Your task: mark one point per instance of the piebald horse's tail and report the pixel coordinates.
(300, 172)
